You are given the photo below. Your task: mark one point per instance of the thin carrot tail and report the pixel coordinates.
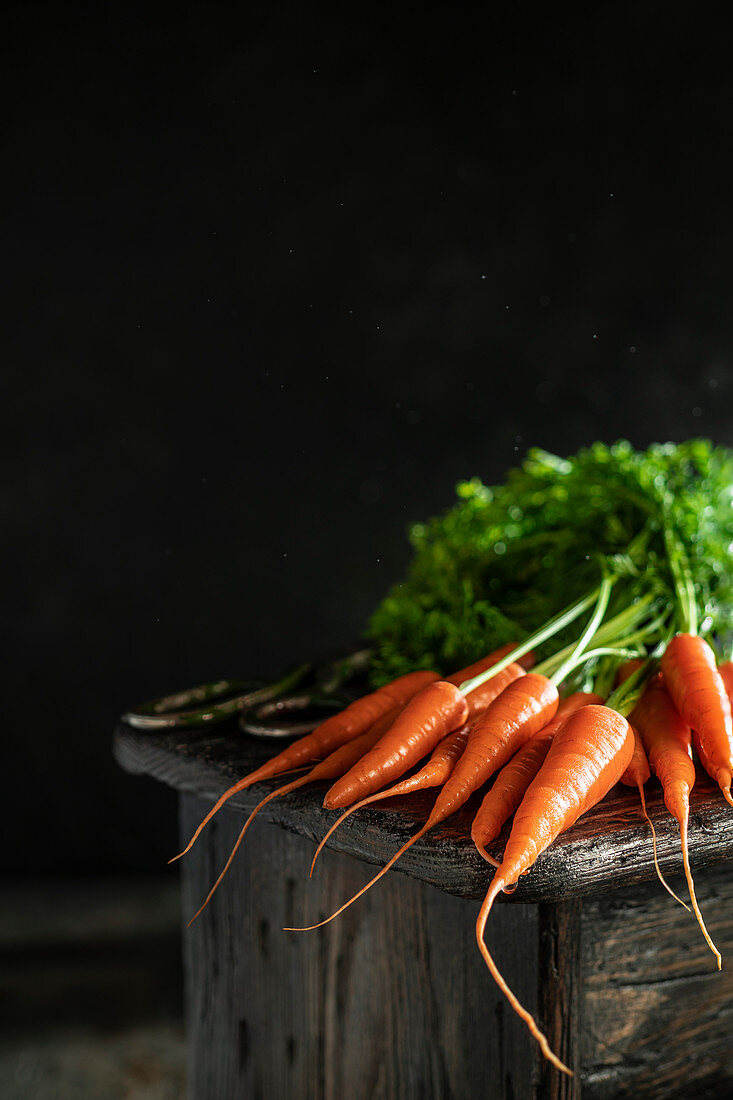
(337, 822)
(358, 805)
(273, 794)
(485, 855)
(391, 863)
(693, 897)
(727, 794)
(660, 876)
(522, 1012)
(241, 785)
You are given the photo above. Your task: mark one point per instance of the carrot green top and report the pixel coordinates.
(508, 558)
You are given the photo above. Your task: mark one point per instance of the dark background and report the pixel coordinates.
(274, 282)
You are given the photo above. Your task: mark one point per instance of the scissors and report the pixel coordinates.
(290, 706)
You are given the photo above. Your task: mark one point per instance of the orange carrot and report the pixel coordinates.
(481, 697)
(337, 730)
(433, 774)
(335, 764)
(433, 713)
(726, 672)
(667, 739)
(521, 710)
(586, 758)
(515, 777)
(389, 760)
(637, 772)
(478, 700)
(698, 692)
(444, 757)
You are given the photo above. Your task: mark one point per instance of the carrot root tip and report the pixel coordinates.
(360, 893)
(485, 855)
(693, 897)
(522, 1012)
(658, 869)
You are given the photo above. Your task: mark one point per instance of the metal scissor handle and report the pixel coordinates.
(293, 716)
(265, 708)
(216, 702)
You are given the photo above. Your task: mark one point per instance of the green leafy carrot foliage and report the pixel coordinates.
(506, 558)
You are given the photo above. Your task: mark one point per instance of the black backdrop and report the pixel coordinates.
(274, 281)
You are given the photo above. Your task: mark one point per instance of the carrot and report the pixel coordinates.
(336, 763)
(444, 756)
(637, 772)
(433, 774)
(586, 758)
(515, 777)
(390, 759)
(403, 747)
(726, 673)
(698, 692)
(667, 739)
(433, 713)
(351, 722)
(481, 697)
(337, 730)
(521, 710)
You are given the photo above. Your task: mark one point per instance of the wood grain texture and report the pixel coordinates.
(390, 1002)
(560, 995)
(657, 1016)
(609, 848)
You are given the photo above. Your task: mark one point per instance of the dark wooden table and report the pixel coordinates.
(393, 1000)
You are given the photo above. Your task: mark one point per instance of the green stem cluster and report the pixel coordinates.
(547, 631)
(576, 657)
(684, 586)
(622, 637)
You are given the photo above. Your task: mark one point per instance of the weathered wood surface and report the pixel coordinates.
(559, 983)
(390, 1002)
(609, 848)
(393, 1000)
(656, 1015)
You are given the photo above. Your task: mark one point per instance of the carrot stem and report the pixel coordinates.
(614, 628)
(547, 631)
(590, 654)
(683, 582)
(604, 594)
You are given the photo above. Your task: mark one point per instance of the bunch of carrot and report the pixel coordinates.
(551, 758)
